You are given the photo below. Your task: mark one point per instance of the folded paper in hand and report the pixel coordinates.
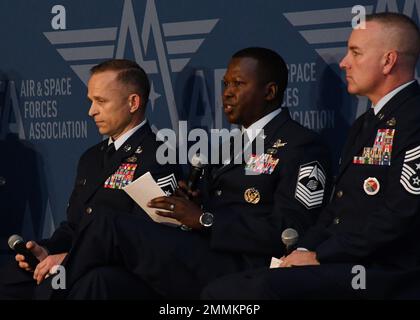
(275, 262)
(144, 189)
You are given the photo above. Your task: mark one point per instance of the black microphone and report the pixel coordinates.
(289, 237)
(198, 162)
(17, 244)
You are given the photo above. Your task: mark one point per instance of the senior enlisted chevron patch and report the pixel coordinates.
(410, 173)
(168, 184)
(310, 186)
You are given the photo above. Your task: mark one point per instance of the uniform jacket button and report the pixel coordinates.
(218, 193)
(340, 193)
(2, 181)
(336, 220)
(89, 210)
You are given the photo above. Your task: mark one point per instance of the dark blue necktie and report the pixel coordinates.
(369, 119)
(109, 152)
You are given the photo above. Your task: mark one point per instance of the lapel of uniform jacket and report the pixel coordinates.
(345, 154)
(223, 168)
(358, 140)
(269, 134)
(125, 151)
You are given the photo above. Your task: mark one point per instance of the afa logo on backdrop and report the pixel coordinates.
(174, 44)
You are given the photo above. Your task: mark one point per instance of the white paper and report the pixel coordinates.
(275, 263)
(144, 189)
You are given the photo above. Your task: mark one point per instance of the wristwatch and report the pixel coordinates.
(206, 219)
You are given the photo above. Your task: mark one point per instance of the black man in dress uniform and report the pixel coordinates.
(251, 197)
(366, 243)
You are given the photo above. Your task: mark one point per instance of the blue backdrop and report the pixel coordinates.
(184, 46)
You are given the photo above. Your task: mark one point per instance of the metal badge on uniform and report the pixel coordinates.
(261, 164)
(279, 144)
(139, 150)
(391, 122)
(252, 195)
(127, 148)
(122, 177)
(132, 159)
(380, 153)
(410, 173)
(272, 150)
(310, 186)
(371, 186)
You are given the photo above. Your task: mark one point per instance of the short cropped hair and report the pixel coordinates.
(408, 31)
(129, 73)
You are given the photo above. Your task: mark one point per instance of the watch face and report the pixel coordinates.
(206, 219)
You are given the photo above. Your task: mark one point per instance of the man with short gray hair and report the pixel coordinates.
(366, 243)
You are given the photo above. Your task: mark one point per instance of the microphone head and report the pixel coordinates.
(13, 239)
(289, 237)
(198, 160)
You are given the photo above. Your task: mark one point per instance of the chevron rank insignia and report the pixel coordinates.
(168, 184)
(410, 174)
(310, 185)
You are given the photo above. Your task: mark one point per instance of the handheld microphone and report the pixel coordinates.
(17, 244)
(289, 237)
(198, 162)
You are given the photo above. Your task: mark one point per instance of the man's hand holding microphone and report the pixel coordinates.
(34, 258)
